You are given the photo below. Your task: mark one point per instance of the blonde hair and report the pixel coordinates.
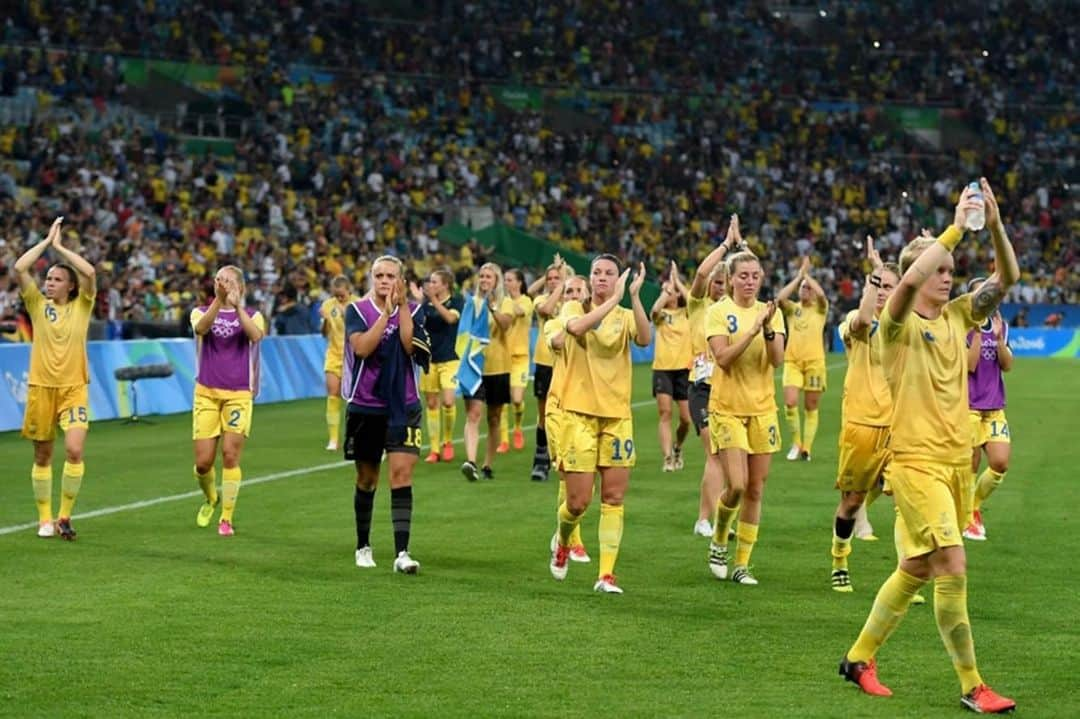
(237, 273)
(497, 292)
(912, 250)
(891, 267)
(340, 281)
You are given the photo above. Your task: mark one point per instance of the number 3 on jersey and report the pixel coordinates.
(732, 324)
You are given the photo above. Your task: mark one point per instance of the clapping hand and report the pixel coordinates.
(872, 254)
(638, 281)
(993, 212)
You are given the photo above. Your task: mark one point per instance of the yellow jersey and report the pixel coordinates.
(672, 339)
(806, 329)
(518, 334)
(497, 353)
(58, 353)
(542, 352)
(746, 388)
(866, 393)
(925, 364)
(333, 317)
(598, 370)
(558, 357)
(702, 362)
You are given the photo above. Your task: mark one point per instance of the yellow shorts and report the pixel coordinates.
(210, 417)
(440, 376)
(988, 425)
(754, 435)
(934, 502)
(553, 425)
(808, 375)
(334, 363)
(587, 442)
(519, 371)
(863, 456)
(47, 407)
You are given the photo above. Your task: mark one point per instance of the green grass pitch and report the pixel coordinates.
(147, 615)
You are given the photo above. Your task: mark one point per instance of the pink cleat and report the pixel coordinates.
(225, 528)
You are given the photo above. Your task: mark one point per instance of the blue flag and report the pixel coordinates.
(474, 334)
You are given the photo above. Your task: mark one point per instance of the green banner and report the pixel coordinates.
(914, 118)
(136, 71)
(518, 98)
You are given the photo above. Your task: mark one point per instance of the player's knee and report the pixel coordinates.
(753, 493)
(203, 467)
(851, 502)
(73, 456)
(999, 464)
(432, 402)
(43, 455)
(230, 457)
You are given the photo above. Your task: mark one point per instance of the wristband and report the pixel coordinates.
(770, 335)
(951, 237)
(874, 280)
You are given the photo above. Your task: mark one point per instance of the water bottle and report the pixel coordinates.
(976, 219)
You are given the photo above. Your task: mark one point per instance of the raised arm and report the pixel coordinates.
(700, 286)
(666, 291)
(641, 321)
(1001, 335)
(85, 270)
(819, 293)
(578, 326)
(547, 310)
(726, 352)
(503, 319)
(221, 296)
(1007, 271)
(406, 327)
(871, 287)
(785, 293)
(236, 299)
(364, 342)
(903, 298)
(27, 259)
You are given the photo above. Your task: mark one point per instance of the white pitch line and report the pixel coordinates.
(275, 476)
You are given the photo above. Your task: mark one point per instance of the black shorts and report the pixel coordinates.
(541, 381)
(497, 389)
(699, 405)
(368, 435)
(674, 382)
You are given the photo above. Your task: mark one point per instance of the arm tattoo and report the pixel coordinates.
(987, 298)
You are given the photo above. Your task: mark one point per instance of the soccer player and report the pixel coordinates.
(923, 351)
(804, 358)
(989, 357)
(709, 285)
(547, 307)
(442, 312)
(746, 337)
(574, 289)
(387, 346)
(671, 366)
(597, 433)
(494, 390)
(517, 338)
(332, 313)
(227, 350)
(865, 411)
(59, 373)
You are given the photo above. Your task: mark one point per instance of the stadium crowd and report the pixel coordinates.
(329, 175)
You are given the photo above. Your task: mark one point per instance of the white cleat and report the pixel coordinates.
(677, 461)
(560, 562)
(406, 564)
(606, 585)
(578, 554)
(46, 530)
(742, 575)
(793, 453)
(718, 560)
(331, 446)
(364, 560)
(703, 528)
(669, 464)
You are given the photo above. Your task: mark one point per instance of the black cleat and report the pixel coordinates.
(487, 473)
(539, 472)
(64, 529)
(470, 471)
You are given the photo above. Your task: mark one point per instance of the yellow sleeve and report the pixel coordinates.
(32, 299)
(324, 310)
(716, 323)
(196, 315)
(846, 333)
(787, 307)
(552, 328)
(506, 307)
(892, 332)
(965, 308)
(259, 321)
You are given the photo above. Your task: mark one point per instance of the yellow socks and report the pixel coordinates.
(792, 416)
(208, 484)
(568, 523)
(724, 516)
(230, 488)
(988, 481)
(950, 610)
(504, 428)
(810, 430)
(747, 536)
(432, 416)
(41, 478)
(449, 417)
(519, 414)
(575, 536)
(611, 526)
(70, 484)
(333, 417)
(890, 606)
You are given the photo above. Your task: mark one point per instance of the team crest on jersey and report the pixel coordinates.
(928, 335)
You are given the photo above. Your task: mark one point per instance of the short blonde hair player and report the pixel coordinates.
(59, 373)
(925, 359)
(671, 366)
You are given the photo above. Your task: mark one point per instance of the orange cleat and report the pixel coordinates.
(984, 700)
(448, 451)
(519, 439)
(503, 448)
(432, 457)
(865, 675)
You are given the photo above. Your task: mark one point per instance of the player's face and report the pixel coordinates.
(341, 292)
(511, 282)
(937, 287)
(888, 285)
(486, 280)
(575, 290)
(717, 286)
(437, 285)
(805, 293)
(746, 280)
(58, 284)
(603, 277)
(384, 276)
(551, 280)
